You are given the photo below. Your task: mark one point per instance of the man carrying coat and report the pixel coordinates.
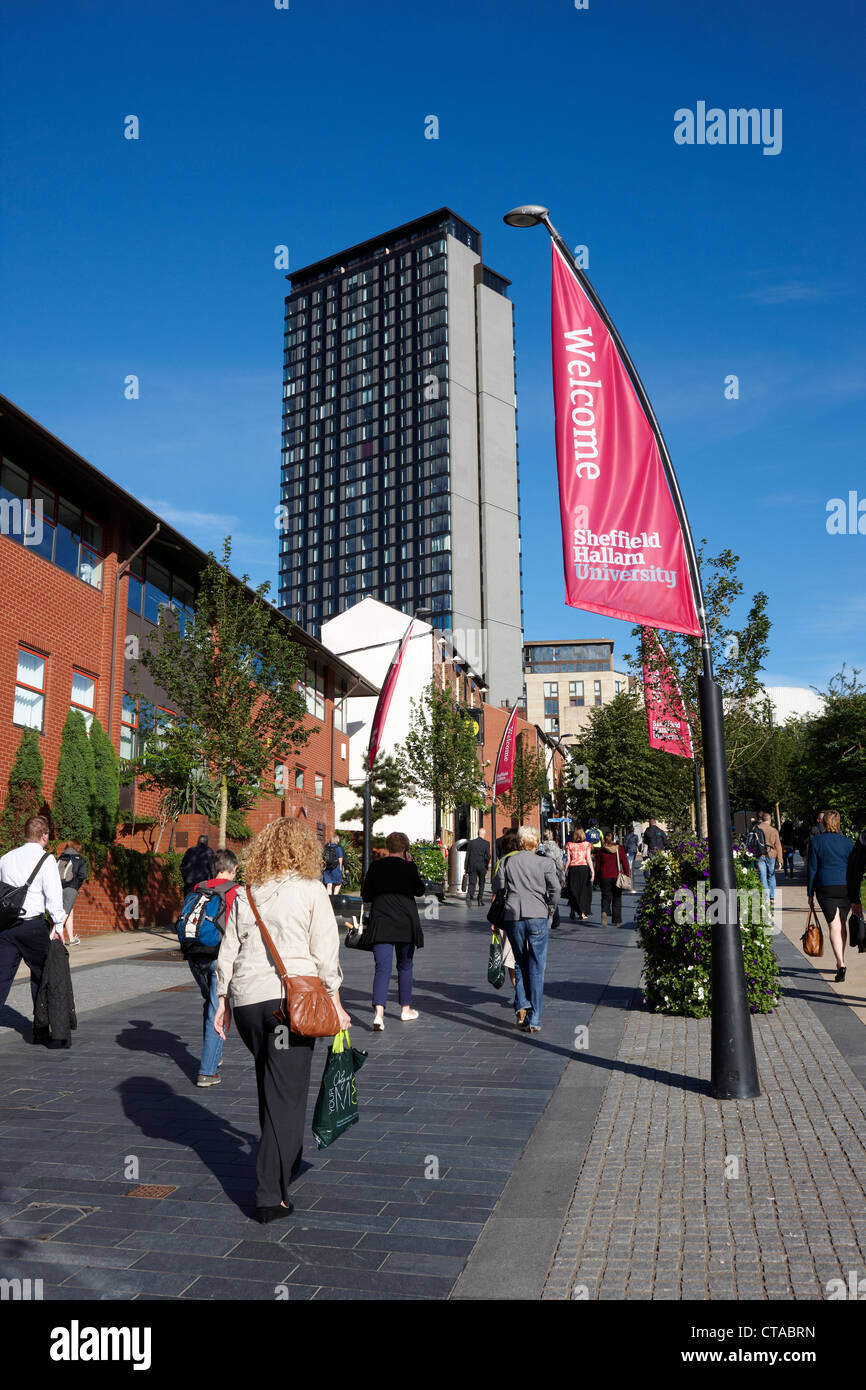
(477, 864)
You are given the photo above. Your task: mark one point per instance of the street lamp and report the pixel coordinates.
(734, 1073)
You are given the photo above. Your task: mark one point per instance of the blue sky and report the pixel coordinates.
(305, 126)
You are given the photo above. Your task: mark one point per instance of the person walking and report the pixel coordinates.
(772, 859)
(282, 870)
(508, 841)
(392, 884)
(829, 853)
(632, 845)
(593, 834)
(551, 850)
(531, 886)
(196, 865)
(28, 939)
(611, 861)
(72, 867)
(786, 835)
(580, 875)
(332, 858)
(477, 864)
(654, 838)
(203, 964)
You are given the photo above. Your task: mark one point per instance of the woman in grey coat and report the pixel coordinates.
(531, 886)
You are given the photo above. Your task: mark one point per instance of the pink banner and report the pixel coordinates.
(384, 701)
(665, 713)
(503, 775)
(622, 544)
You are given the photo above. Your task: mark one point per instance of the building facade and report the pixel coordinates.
(566, 681)
(399, 465)
(74, 620)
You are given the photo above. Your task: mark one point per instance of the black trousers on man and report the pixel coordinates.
(283, 1063)
(27, 940)
(476, 879)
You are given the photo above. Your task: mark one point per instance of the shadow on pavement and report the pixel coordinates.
(141, 1036)
(10, 1018)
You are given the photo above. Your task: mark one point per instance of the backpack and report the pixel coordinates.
(594, 836)
(197, 929)
(331, 857)
(756, 843)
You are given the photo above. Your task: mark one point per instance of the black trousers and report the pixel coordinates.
(27, 941)
(475, 887)
(579, 889)
(283, 1062)
(611, 894)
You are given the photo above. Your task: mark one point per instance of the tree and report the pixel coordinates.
(234, 674)
(440, 753)
(529, 784)
(72, 800)
(738, 654)
(105, 807)
(614, 775)
(24, 797)
(387, 790)
(830, 770)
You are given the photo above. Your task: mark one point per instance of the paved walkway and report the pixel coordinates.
(487, 1164)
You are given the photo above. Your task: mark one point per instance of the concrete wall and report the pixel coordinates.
(463, 437)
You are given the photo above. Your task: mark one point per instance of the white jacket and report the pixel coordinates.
(298, 914)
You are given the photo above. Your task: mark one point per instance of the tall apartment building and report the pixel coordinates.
(565, 681)
(399, 464)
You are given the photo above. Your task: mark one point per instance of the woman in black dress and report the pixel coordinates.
(392, 884)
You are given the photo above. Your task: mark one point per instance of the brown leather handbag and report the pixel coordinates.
(307, 1006)
(813, 937)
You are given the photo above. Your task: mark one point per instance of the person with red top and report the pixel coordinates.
(580, 872)
(225, 863)
(611, 861)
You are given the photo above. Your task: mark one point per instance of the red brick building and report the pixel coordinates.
(76, 605)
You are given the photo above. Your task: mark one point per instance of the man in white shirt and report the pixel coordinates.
(28, 938)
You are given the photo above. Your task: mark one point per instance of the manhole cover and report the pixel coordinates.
(148, 1190)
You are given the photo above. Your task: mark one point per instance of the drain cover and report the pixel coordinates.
(178, 989)
(148, 1190)
(157, 956)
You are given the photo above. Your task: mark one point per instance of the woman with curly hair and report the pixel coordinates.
(283, 867)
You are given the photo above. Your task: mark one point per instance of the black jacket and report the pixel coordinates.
(78, 868)
(856, 868)
(55, 1005)
(392, 885)
(197, 865)
(477, 855)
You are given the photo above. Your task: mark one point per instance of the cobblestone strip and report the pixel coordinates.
(681, 1196)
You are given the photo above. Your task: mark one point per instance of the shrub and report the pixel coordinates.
(352, 860)
(72, 800)
(674, 926)
(24, 791)
(131, 869)
(430, 860)
(106, 786)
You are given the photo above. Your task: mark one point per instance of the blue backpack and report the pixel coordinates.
(197, 929)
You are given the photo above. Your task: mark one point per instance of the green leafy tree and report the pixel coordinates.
(614, 775)
(440, 753)
(105, 807)
(234, 673)
(387, 791)
(739, 655)
(72, 801)
(830, 769)
(529, 784)
(24, 796)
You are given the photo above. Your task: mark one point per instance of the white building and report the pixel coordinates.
(793, 702)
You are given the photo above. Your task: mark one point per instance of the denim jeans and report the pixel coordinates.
(788, 856)
(204, 974)
(767, 871)
(529, 938)
(383, 955)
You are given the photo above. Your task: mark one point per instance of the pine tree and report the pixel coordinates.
(106, 785)
(73, 791)
(24, 796)
(387, 791)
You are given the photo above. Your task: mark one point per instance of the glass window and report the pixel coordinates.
(68, 542)
(40, 537)
(83, 697)
(551, 725)
(551, 689)
(597, 691)
(129, 727)
(319, 784)
(29, 690)
(156, 591)
(299, 779)
(135, 594)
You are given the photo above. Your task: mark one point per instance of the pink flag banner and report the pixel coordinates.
(622, 544)
(384, 702)
(503, 774)
(665, 713)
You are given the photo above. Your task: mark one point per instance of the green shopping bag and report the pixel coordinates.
(337, 1101)
(495, 968)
